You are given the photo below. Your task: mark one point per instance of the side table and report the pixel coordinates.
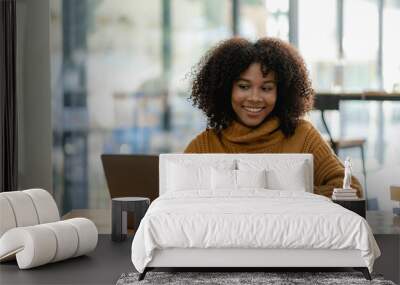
(357, 206)
(120, 208)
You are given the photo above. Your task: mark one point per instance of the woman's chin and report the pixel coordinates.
(252, 123)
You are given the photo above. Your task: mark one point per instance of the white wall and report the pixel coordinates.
(34, 96)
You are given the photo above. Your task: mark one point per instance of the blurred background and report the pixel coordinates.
(119, 82)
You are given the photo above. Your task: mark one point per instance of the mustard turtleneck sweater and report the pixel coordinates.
(238, 138)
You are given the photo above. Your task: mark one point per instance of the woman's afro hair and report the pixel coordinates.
(214, 75)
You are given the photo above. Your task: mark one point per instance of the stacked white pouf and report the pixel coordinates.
(32, 233)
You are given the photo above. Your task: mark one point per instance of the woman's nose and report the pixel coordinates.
(255, 95)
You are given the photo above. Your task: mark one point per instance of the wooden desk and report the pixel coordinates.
(368, 96)
(330, 101)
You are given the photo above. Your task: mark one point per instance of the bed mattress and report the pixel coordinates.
(250, 219)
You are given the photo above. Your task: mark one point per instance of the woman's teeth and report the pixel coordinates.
(253, 110)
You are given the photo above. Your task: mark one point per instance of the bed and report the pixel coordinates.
(246, 211)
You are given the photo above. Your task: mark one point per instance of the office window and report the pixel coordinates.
(196, 25)
(120, 84)
(260, 18)
(360, 45)
(391, 46)
(319, 46)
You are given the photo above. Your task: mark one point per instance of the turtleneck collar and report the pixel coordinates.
(264, 135)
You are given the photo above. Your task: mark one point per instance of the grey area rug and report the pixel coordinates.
(225, 278)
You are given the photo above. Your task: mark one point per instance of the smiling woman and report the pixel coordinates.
(254, 96)
(253, 69)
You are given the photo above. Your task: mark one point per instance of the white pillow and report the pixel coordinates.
(293, 179)
(251, 178)
(223, 179)
(280, 174)
(228, 179)
(188, 177)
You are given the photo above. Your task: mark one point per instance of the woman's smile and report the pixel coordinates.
(253, 110)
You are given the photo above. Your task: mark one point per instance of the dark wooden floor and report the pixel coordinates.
(110, 259)
(102, 266)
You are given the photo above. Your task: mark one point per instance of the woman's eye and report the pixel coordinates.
(243, 87)
(267, 88)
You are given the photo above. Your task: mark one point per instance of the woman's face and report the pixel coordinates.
(254, 95)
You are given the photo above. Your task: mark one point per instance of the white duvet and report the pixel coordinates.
(250, 219)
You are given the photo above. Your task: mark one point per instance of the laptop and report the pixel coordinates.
(131, 175)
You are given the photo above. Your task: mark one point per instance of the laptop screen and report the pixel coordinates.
(131, 175)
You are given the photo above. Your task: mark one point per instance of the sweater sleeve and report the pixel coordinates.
(198, 144)
(328, 169)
